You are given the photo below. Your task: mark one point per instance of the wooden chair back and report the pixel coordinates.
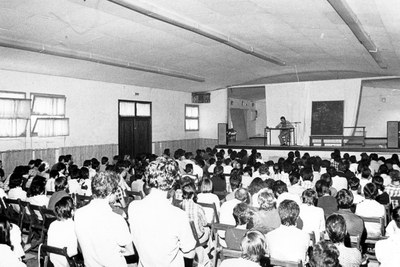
(196, 236)
(377, 220)
(227, 253)
(135, 195)
(47, 250)
(12, 211)
(276, 262)
(213, 207)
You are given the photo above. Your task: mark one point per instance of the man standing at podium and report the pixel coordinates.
(284, 136)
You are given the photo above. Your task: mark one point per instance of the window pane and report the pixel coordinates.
(13, 127)
(192, 112)
(18, 95)
(46, 127)
(48, 105)
(127, 108)
(192, 124)
(143, 109)
(15, 108)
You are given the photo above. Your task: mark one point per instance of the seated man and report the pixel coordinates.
(287, 242)
(336, 230)
(103, 235)
(233, 236)
(284, 136)
(161, 232)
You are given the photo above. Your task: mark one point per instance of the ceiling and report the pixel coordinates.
(217, 43)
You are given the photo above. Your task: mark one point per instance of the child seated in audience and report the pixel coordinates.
(9, 256)
(254, 249)
(61, 232)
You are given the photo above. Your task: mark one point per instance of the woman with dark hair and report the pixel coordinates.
(219, 183)
(8, 255)
(393, 227)
(62, 231)
(37, 192)
(254, 249)
(382, 197)
(371, 208)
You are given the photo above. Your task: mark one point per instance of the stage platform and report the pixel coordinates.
(275, 151)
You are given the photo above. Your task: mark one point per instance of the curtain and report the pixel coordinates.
(15, 108)
(13, 127)
(48, 105)
(46, 127)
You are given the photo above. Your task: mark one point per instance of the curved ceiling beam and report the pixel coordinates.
(187, 24)
(80, 55)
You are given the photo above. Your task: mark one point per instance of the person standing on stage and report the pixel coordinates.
(284, 136)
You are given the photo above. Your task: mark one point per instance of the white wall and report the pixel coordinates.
(92, 108)
(378, 105)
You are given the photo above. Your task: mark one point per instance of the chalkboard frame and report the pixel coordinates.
(327, 117)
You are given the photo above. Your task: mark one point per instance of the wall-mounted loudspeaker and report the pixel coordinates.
(201, 97)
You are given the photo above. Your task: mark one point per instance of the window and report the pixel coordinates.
(14, 114)
(48, 116)
(133, 109)
(191, 118)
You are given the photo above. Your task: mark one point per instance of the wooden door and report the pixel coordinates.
(134, 136)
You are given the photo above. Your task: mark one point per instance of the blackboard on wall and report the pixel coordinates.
(327, 118)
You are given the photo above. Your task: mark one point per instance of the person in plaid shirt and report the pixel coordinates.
(393, 189)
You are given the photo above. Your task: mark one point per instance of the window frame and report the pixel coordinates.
(136, 109)
(192, 118)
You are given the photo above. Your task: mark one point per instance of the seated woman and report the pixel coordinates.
(233, 236)
(394, 225)
(267, 217)
(206, 196)
(254, 249)
(37, 194)
(9, 257)
(61, 233)
(336, 230)
(387, 250)
(382, 197)
(371, 208)
(196, 214)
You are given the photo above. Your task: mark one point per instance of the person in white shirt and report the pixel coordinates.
(371, 208)
(387, 251)
(226, 212)
(355, 188)
(254, 249)
(9, 257)
(16, 191)
(54, 174)
(206, 196)
(161, 232)
(103, 235)
(61, 232)
(287, 242)
(313, 217)
(37, 194)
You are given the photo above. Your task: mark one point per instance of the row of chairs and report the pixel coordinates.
(222, 252)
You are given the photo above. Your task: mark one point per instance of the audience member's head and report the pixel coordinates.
(256, 185)
(37, 186)
(310, 197)
(266, 200)
(61, 183)
(378, 181)
(307, 174)
(235, 180)
(322, 188)
(336, 228)
(242, 195)
(288, 212)
(104, 184)
(242, 214)
(279, 187)
(254, 246)
(162, 173)
(64, 208)
(294, 178)
(189, 191)
(324, 254)
(344, 199)
(206, 186)
(370, 191)
(395, 176)
(354, 183)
